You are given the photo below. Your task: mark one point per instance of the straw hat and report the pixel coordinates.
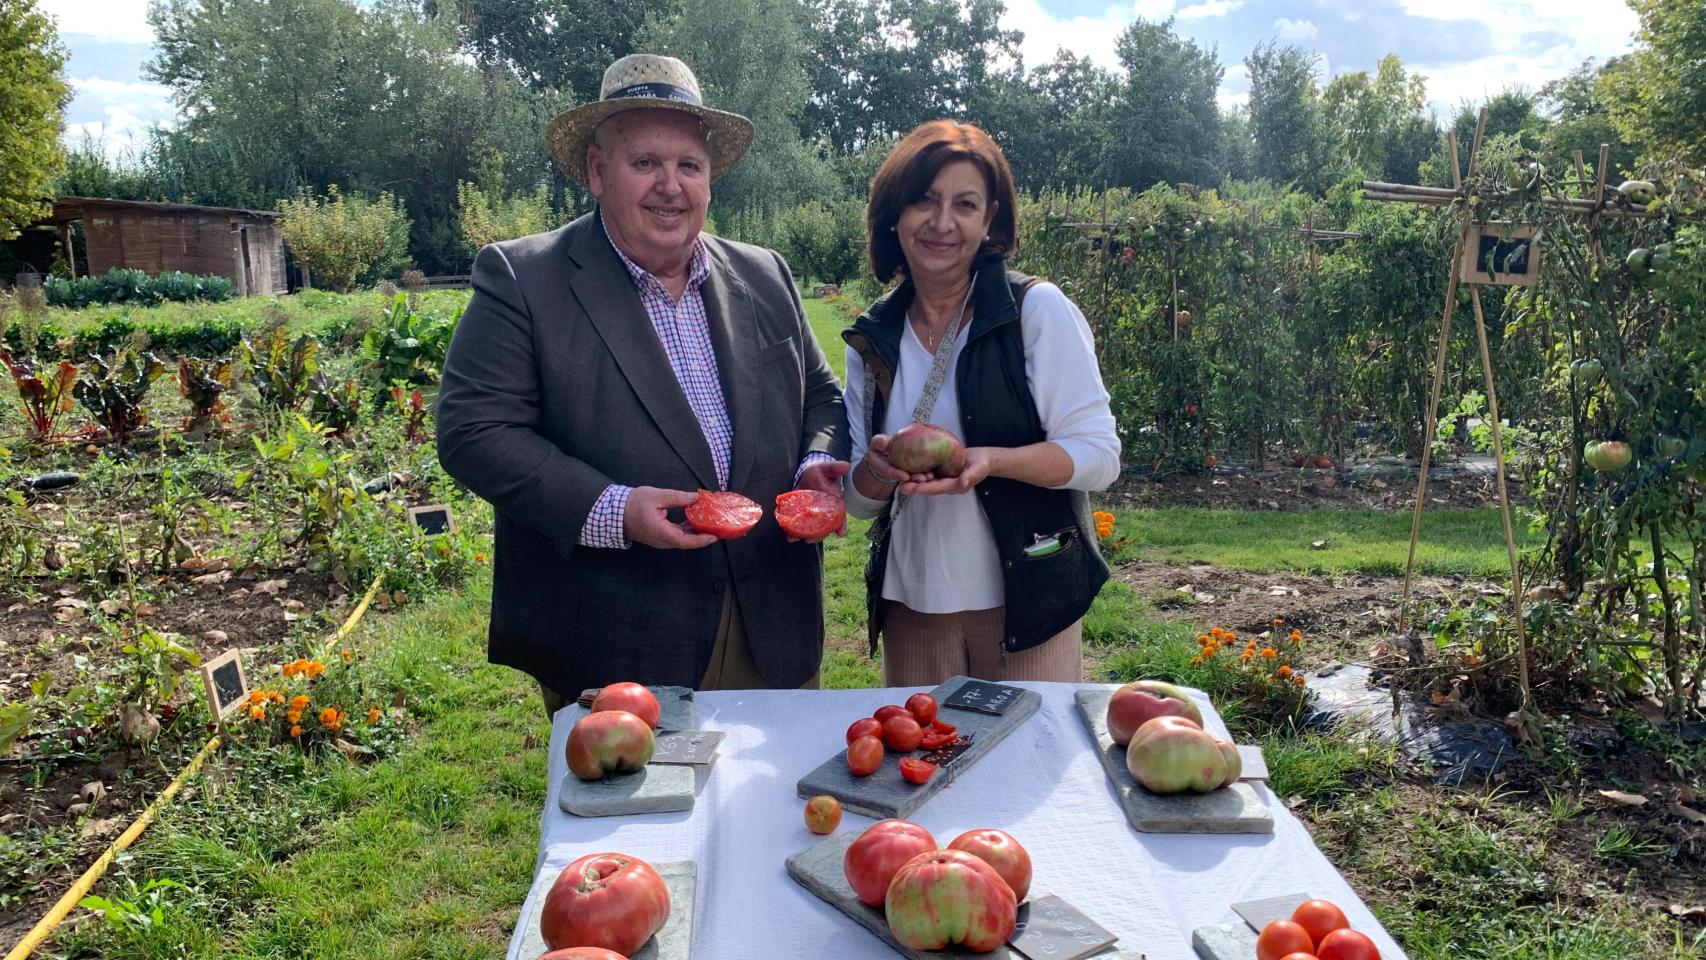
(646, 81)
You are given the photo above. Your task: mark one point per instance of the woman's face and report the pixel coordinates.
(941, 232)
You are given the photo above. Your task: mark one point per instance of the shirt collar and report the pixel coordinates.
(698, 262)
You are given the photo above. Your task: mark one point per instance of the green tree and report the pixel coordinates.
(1513, 113)
(1377, 123)
(1165, 127)
(32, 72)
(1660, 99)
(341, 238)
(749, 56)
(560, 46)
(489, 218)
(1292, 142)
(1581, 120)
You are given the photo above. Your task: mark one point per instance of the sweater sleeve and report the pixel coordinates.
(853, 394)
(1066, 382)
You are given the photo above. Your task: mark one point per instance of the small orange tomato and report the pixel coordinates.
(1319, 917)
(1282, 938)
(823, 814)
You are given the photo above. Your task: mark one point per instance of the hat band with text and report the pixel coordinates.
(656, 91)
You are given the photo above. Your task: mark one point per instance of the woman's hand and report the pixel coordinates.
(980, 464)
(876, 476)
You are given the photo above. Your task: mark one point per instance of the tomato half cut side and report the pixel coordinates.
(934, 740)
(916, 771)
(941, 727)
(723, 514)
(810, 515)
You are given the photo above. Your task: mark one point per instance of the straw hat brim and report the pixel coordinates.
(569, 135)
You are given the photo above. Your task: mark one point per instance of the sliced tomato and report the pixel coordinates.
(940, 727)
(810, 515)
(934, 740)
(916, 770)
(723, 514)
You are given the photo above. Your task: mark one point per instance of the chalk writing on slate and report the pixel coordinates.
(687, 746)
(1049, 928)
(983, 697)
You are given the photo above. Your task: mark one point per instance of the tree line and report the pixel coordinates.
(442, 102)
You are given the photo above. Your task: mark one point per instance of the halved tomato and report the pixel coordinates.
(915, 770)
(810, 515)
(723, 514)
(941, 727)
(934, 740)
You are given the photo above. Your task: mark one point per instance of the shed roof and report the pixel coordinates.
(76, 208)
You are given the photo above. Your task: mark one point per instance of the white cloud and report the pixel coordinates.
(1533, 41)
(1296, 29)
(1092, 37)
(1234, 87)
(1150, 9)
(118, 88)
(108, 21)
(1209, 8)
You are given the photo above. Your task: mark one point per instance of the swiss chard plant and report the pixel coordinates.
(115, 392)
(281, 367)
(204, 384)
(45, 391)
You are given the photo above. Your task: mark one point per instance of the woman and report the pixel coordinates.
(987, 573)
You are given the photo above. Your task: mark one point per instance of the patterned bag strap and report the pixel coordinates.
(932, 384)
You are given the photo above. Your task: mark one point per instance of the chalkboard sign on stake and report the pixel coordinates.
(227, 685)
(433, 519)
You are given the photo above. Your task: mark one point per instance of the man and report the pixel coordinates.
(602, 374)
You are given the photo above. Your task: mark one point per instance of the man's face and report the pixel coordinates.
(651, 173)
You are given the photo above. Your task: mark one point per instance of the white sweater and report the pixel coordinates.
(942, 556)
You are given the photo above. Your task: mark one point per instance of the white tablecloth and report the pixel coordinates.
(1043, 784)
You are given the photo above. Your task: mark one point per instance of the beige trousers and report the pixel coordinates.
(928, 648)
(731, 668)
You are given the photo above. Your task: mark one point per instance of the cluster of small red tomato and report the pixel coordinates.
(1317, 930)
(903, 730)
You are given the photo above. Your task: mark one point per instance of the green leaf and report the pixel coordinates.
(15, 718)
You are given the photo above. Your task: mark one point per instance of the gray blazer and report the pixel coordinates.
(556, 386)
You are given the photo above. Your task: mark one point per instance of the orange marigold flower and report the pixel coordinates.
(257, 696)
(290, 669)
(372, 715)
(1279, 621)
(299, 702)
(296, 730)
(1285, 671)
(1268, 653)
(275, 696)
(314, 669)
(1248, 655)
(332, 718)
(1204, 639)
(257, 713)
(1297, 680)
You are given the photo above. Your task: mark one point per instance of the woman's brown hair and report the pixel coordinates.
(912, 166)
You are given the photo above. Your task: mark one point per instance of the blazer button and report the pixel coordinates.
(1009, 564)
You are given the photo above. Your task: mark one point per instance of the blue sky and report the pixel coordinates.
(1466, 50)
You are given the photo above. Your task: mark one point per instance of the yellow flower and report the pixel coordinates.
(372, 715)
(1268, 653)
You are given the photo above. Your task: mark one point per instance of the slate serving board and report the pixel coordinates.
(818, 869)
(1224, 941)
(659, 788)
(1235, 809)
(884, 794)
(673, 942)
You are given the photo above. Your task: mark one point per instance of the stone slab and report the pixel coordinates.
(818, 869)
(673, 942)
(884, 794)
(1224, 941)
(659, 788)
(1235, 809)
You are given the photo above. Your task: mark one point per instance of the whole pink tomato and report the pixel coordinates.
(943, 897)
(1137, 703)
(632, 697)
(998, 849)
(609, 900)
(609, 741)
(871, 861)
(582, 953)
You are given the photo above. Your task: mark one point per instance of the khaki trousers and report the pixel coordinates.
(920, 649)
(731, 668)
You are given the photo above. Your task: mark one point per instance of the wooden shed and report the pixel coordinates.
(245, 245)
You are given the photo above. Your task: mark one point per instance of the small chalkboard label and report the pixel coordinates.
(983, 697)
(433, 519)
(225, 682)
(1049, 928)
(1260, 913)
(696, 747)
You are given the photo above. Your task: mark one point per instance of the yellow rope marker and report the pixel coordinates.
(54, 917)
(86, 882)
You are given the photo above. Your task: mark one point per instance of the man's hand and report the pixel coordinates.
(824, 476)
(645, 519)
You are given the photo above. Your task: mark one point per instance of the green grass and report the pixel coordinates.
(1468, 542)
(302, 312)
(827, 323)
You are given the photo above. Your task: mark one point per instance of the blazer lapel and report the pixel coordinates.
(734, 337)
(607, 296)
